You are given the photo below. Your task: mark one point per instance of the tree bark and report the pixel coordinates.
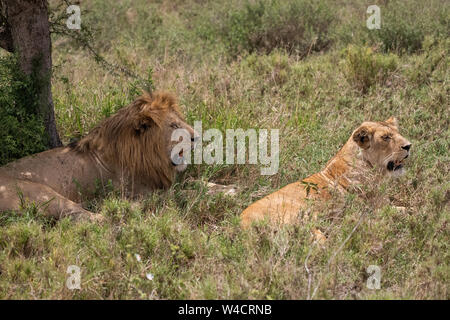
(26, 31)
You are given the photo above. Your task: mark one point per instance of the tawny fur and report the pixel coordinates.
(373, 144)
(131, 149)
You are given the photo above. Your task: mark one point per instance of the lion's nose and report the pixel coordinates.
(407, 147)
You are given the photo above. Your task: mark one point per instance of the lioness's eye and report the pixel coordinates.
(386, 137)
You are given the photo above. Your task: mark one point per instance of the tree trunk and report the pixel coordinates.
(25, 30)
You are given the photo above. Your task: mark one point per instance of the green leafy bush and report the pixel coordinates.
(363, 67)
(21, 129)
(299, 26)
(403, 30)
(274, 67)
(399, 35)
(428, 65)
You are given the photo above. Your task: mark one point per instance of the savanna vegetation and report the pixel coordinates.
(310, 68)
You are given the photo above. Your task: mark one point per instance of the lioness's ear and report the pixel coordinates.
(392, 121)
(362, 137)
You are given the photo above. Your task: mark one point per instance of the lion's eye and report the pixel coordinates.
(386, 137)
(174, 125)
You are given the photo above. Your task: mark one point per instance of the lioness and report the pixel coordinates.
(132, 148)
(372, 144)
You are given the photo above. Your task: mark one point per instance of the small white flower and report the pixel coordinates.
(149, 276)
(138, 257)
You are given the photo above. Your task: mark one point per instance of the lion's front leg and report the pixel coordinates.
(14, 192)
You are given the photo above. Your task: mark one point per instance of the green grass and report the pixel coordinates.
(191, 241)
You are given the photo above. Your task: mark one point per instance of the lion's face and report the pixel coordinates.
(382, 145)
(159, 118)
(174, 122)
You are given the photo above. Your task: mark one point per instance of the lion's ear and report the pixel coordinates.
(362, 137)
(140, 124)
(144, 121)
(147, 118)
(392, 121)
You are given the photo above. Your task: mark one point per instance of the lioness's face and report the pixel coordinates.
(382, 145)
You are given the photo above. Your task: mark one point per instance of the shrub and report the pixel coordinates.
(22, 130)
(399, 36)
(273, 67)
(402, 30)
(426, 66)
(363, 67)
(299, 26)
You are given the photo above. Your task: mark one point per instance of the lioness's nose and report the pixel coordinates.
(407, 147)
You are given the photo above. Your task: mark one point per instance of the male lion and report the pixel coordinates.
(131, 148)
(372, 144)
